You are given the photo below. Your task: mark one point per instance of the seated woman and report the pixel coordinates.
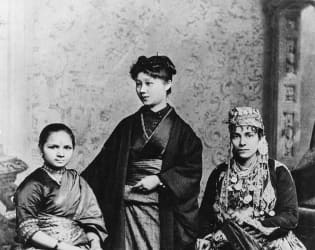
(249, 202)
(55, 207)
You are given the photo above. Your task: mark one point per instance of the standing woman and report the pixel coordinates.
(147, 175)
(250, 202)
(55, 207)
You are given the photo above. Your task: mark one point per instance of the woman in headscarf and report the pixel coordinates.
(147, 175)
(55, 207)
(250, 202)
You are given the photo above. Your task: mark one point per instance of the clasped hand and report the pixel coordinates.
(147, 183)
(242, 216)
(207, 242)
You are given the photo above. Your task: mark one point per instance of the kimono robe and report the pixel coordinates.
(181, 167)
(65, 211)
(281, 213)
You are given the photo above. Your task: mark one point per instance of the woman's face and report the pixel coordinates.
(57, 150)
(245, 141)
(152, 91)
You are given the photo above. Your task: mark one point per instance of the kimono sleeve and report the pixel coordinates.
(92, 217)
(28, 198)
(97, 172)
(183, 179)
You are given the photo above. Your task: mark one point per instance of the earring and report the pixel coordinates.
(230, 152)
(262, 146)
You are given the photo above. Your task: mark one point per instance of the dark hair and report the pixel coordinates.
(259, 131)
(51, 128)
(155, 66)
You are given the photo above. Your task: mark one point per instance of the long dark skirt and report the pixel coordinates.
(142, 226)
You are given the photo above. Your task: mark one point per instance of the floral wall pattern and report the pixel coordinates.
(80, 53)
(73, 61)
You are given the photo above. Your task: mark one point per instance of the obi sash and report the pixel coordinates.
(142, 221)
(147, 157)
(138, 170)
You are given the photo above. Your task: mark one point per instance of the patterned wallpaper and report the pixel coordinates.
(80, 53)
(75, 58)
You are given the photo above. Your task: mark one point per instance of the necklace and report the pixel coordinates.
(242, 171)
(55, 174)
(143, 126)
(242, 186)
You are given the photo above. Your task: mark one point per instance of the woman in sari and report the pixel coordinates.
(55, 207)
(147, 175)
(249, 202)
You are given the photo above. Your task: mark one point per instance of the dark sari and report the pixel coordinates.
(65, 211)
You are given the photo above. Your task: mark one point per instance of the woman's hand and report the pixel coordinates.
(219, 237)
(147, 183)
(245, 216)
(257, 224)
(202, 244)
(47, 242)
(66, 246)
(267, 230)
(94, 240)
(205, 244)
(96, 246)
(242, 215)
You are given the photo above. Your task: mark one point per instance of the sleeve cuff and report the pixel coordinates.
(27, 229)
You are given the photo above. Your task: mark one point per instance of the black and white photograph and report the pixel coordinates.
(157, 125)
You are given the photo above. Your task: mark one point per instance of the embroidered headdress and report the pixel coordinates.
(245, 116)
(242, 187)
(248, 116)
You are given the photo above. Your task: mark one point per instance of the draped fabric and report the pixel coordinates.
(65, 212)
(112, 171)
(280, 214)
(60, 228)
(142, 226)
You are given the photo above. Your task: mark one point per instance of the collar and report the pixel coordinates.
(146, 111)
(54, 171)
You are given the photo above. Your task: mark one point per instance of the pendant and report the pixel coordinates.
(256, 213)
(251, 187)
(247, 199)
(230, 211)
(233, 179)
(272, 213)
(238, 186)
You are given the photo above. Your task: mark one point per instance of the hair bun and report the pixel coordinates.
(142, 59)
(162, 62)
(157, 66)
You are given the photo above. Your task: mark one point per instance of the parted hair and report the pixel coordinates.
(156, 66)
(51, 128)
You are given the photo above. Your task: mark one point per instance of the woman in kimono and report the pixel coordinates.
(55, 207)
(147, 175)
(249, 202)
